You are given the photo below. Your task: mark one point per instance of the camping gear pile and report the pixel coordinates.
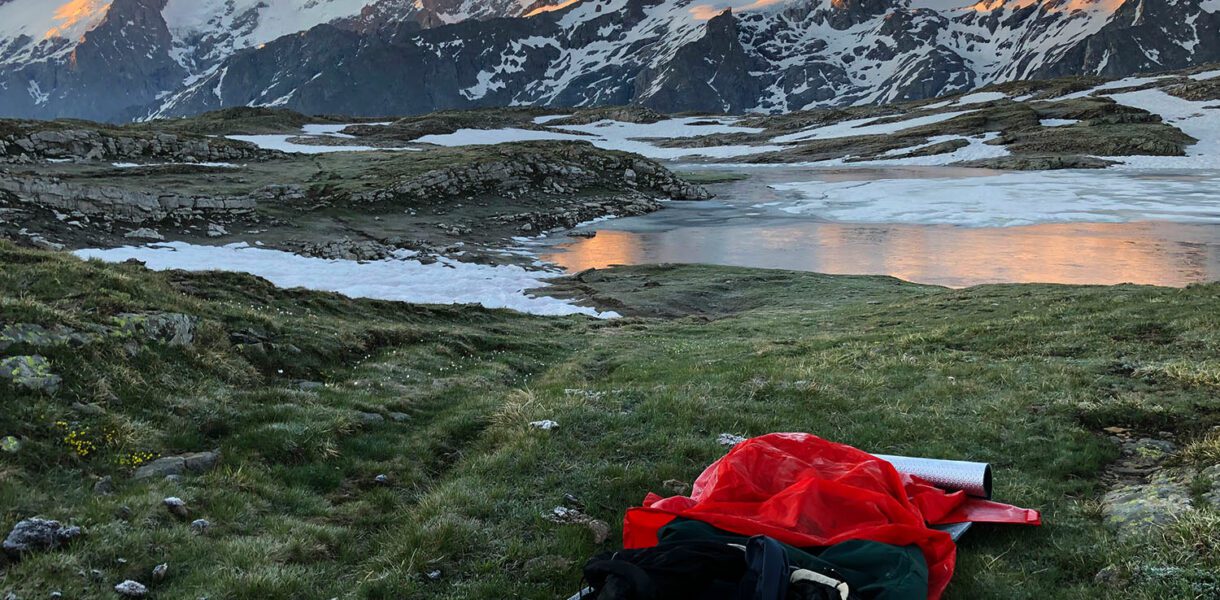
(790, 516)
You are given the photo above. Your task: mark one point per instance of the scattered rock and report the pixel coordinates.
(583, 233)
(174, 329)
(37, 535)
(367, 418)
(200, 526)
(310, 386)
(546, 425)
(104, 486)
(88, 410)
(680, 488)
(382, 480)
(38, 337)
(1133, 510)
(573, 516)
(145, 233)
(1212, 476)
(131, 589)
(435, 575)
(728, 439)
(1111, 576)
(177, 507)
(10, 444)
(195, 464)
(398, 417)
(30, 372)
(216, 230)
(160, 571)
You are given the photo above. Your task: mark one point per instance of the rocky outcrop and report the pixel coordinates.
(563, 168)
(23, 141)
(570, 215)
(117, 203)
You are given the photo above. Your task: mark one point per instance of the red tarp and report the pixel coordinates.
(808, 492)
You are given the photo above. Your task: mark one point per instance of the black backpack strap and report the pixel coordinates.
(767, 571)
(620, 580)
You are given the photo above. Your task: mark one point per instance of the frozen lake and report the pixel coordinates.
(938, 225)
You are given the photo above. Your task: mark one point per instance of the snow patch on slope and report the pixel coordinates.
(402, 279)
(615, 135)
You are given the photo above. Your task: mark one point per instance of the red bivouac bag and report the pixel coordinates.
(808, 492)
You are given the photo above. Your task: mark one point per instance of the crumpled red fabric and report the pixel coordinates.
(808, 492)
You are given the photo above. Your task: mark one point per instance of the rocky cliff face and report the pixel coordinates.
(398, 57)
(25, 142)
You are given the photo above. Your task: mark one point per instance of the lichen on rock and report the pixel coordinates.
(32, 372)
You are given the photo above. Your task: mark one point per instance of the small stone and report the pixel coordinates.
(310, 386)
(104, 486)
(131, 589)
(1111, 576)
(56, 595)
(10, 444)
(680, 488)
(145, 233)
(728, 439)
(200, 526)
(215, 230)
(368, 418)
(177, 507)
(434, 575)
(398, 417)
(382, 480)
(160, 571)
(88, 410)
(546, 425)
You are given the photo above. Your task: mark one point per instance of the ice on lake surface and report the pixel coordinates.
(944, 226)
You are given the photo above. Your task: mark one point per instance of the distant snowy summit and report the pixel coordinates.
(131, 59)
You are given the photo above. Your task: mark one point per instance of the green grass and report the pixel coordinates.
(1022, 376)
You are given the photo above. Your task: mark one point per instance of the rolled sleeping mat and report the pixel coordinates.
(953, 475)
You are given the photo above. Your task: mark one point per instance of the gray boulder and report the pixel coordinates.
(174, 329)
(30, 372)
(195, 464)
(35, 535)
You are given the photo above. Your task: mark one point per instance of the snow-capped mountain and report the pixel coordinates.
(120, 59)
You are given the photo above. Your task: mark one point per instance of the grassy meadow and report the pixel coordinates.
(1023, 376)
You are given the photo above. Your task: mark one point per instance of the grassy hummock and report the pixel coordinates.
(1023, 376)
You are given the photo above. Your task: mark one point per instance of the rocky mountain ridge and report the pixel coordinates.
(395, 57)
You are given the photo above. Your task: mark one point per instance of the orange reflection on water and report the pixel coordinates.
(609, 248)
(1076, 253)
